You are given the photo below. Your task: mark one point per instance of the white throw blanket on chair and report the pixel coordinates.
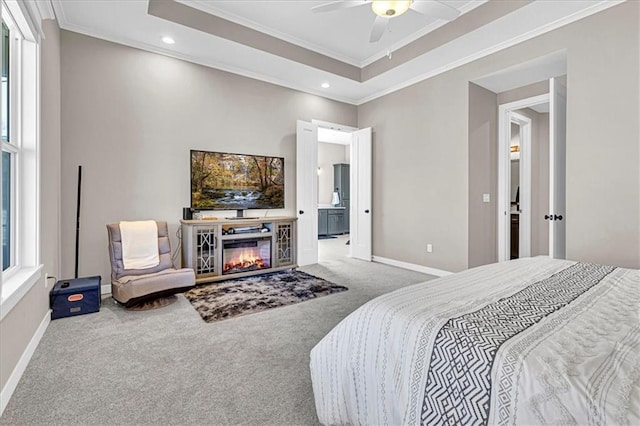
(139, 244)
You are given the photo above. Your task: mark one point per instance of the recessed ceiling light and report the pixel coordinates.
(168, 40)
(325, 85)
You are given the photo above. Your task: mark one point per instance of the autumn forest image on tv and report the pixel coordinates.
(225, 181)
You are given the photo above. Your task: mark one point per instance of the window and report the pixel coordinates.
(7, 180)
(5, 82)
(19, 167)
(8, 152)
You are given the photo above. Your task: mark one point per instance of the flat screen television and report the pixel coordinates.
(224, 181)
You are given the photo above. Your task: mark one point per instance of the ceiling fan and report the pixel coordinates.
(385, 10)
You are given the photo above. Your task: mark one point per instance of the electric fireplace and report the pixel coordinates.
(246, 255)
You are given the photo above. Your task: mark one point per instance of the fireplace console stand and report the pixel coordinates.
(221, 249)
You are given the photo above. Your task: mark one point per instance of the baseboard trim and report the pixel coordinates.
(12, 383)
(412, 266)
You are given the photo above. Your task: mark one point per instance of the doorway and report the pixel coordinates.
(334, 196)
(518, 176)
(531, 176)
(358, 196)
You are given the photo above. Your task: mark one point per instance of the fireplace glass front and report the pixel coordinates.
(246, 255)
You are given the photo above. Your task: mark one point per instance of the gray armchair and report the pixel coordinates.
(130, 286)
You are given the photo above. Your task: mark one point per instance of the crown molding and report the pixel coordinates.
(193, 59)
(419, 34)
(206, 7)
(598, 7)
(58, 12)
(112, 37)
(45, 9)
(35, 11)
(26, 17)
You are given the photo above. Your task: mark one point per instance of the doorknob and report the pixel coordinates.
(301, 212)
(557, 217)
(548, 217)
(366, 211)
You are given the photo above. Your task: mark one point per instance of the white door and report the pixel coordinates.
(360, 182)
(306, 193)
(557, 167)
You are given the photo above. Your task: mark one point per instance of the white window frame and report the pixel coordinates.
(24, 135)
(12, 145)
(14, 244)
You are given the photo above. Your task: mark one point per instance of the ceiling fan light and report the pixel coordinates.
(391, 8)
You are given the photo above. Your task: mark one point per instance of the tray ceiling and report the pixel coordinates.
(284, 43)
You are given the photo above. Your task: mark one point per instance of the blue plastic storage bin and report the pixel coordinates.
(75, 297)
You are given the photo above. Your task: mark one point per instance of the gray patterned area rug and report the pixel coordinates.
(241, 296)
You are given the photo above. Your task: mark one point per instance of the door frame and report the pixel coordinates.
(334, 126)
(524, 229)
(353, 221)
(507, 114)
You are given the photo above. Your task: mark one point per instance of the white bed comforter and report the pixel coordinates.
(531, 341)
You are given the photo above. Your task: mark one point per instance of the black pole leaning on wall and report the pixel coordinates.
(78, 220)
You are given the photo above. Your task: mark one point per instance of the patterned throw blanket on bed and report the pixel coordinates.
(458, 387)
(531, 341)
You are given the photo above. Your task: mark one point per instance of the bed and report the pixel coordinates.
(527, 342)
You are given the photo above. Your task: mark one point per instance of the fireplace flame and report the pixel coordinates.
(245, 260)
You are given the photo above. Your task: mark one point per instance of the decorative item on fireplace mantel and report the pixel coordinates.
(222, 249)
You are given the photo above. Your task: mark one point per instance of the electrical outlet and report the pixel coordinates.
(486, 198)
(429, 248)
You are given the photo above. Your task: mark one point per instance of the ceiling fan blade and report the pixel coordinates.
(435, 9)
(337, 5)
(379, 27)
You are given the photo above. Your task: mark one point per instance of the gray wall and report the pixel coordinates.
(424, 129)
(328, 155)
(20, 324)
(50, 150)
(603, 139)
(130, 118)
(483, 176)
(420, 172)
(535, 89)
